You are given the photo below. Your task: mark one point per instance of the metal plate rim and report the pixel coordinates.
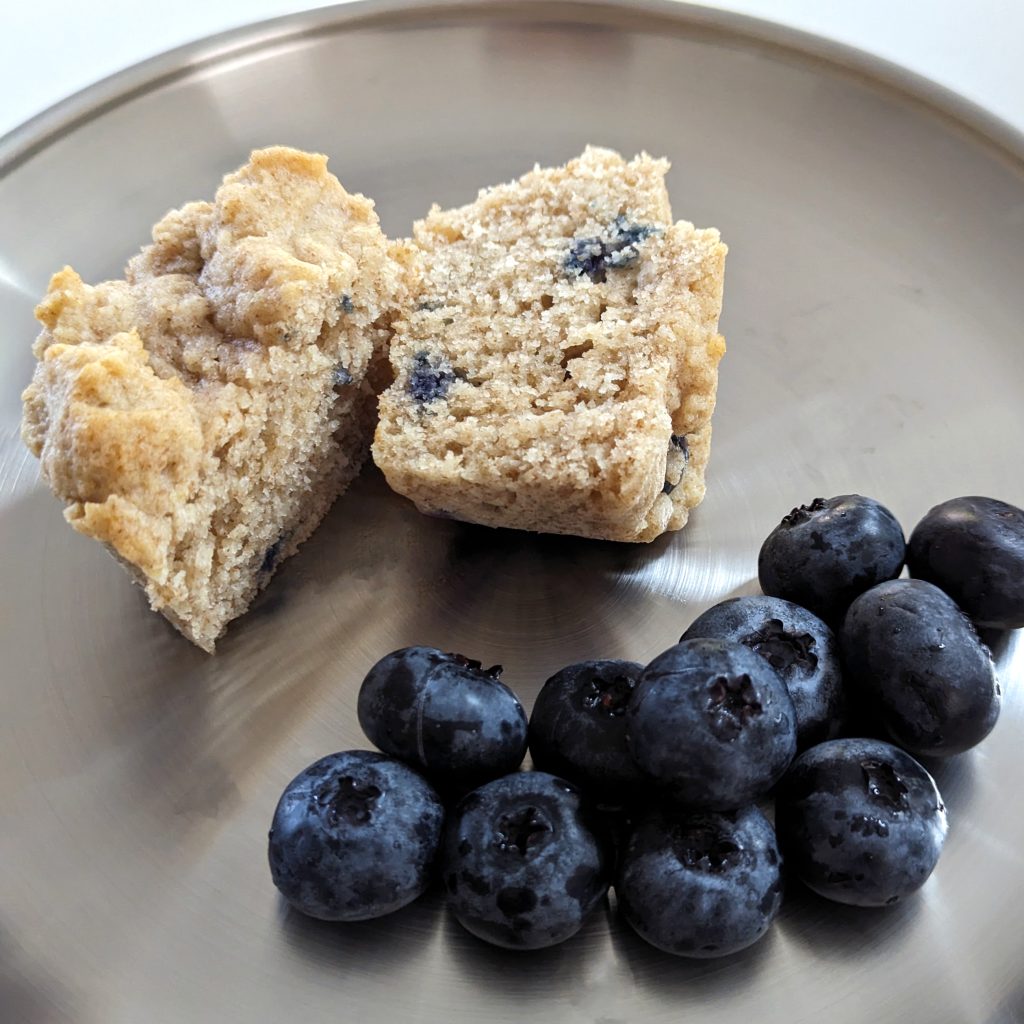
(85, 105)
(141, 774)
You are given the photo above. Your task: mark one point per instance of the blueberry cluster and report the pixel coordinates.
(655, 779)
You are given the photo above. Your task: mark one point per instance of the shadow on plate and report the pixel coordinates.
(664, 976)
(526, 977)
(27, 996)
(835, 931)
(379, 575)
(957, 779)
(364, 947)
(196, 723)
(1010, 1011)
(519, 585)
(379, 946)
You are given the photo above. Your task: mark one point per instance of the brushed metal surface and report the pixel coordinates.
(873, 310)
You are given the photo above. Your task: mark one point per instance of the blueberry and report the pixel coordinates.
(712, 723)
(444, 714)
(675, 462)
(973, 548)
(619, 247)
(701, 885)
(578, 728)
(822, 555)
(521, 864)
(272, 554)
(860, 821)
(797, 644)
(354, 836)
(915, 659)
(430, 379)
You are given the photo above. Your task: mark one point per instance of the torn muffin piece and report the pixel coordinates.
(557, 368)
(200, 416)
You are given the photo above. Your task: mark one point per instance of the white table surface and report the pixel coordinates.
(51, 48)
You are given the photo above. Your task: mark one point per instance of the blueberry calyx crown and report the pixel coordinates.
(732, 702)
(884, 785)
(608, 697)
(592, 256)
(494, 672)
(782, 650)
(522, 831)
(348, 801)
(702, 847)
(805, 512)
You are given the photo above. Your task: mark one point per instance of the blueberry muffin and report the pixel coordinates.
(200, 416)
(557, 369)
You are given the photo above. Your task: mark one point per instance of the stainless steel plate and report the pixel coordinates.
(874, 310)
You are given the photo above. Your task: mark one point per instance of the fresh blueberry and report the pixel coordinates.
(701, 885)
(822, 555)
(712, 723)
(797, 644)
(354, 836)
(973, 548)
(521, 863)
(430, 379)
(578, 728)
(860, 821)
(444, 714)
(914, 658)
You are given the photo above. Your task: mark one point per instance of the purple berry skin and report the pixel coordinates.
(523, 864)
(443, 714)
(578, 729)
(823, 555)
(973, 548)
(712, 724)
(701, 885)
(860, 822)
(354, 837)
(798, 645)
(915, 661)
